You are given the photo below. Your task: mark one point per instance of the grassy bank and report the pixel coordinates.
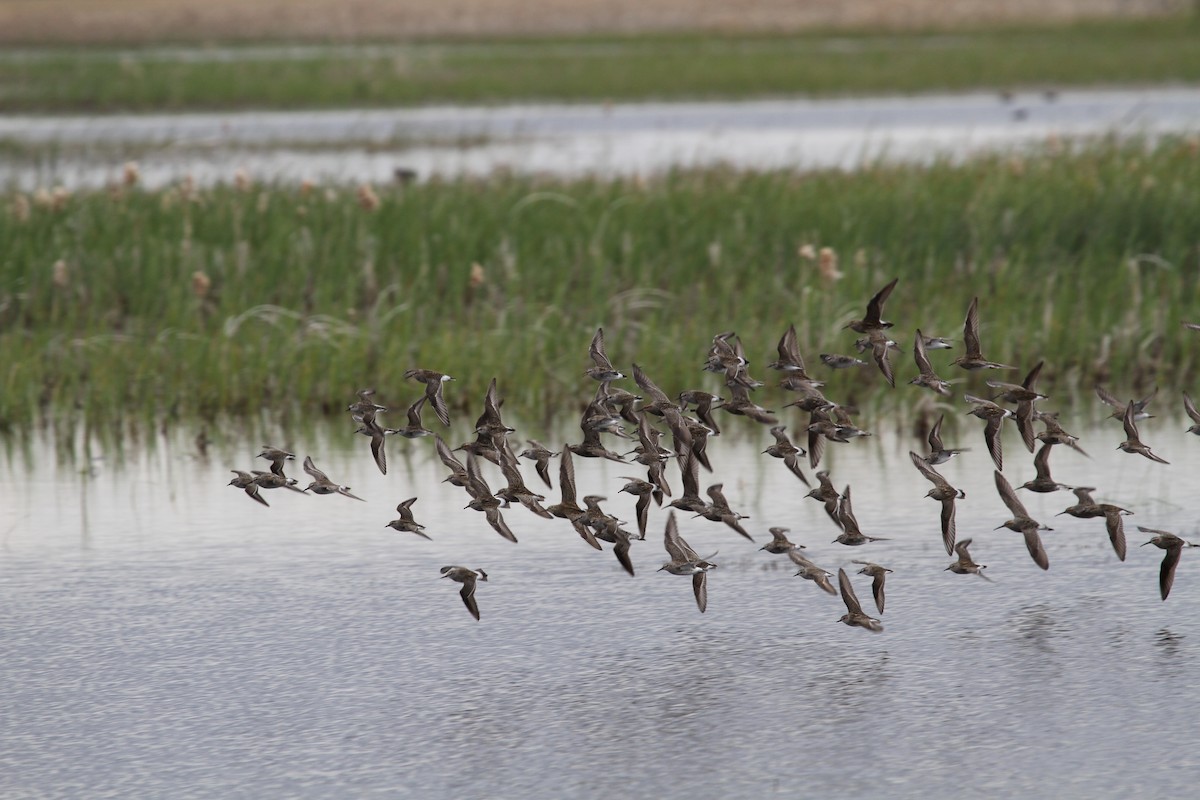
(134, 307)
(676, 66)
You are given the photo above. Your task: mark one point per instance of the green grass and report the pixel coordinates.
(605, 68)
(1087, 259)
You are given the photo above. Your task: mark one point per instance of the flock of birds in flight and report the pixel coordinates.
(689, 421)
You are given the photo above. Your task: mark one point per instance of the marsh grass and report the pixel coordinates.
(126, 309)
(599, 68)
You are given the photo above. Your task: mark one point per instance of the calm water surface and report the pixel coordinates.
(162, 635)
(624, 139)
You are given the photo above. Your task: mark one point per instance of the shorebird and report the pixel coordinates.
(540, 455)
(779, 543)
(516, 488)
(740, 403)
(467, 578)
(810, 571)
(245, 481)
(569, 508)
(790, 453)
(972, 358)
(321, 483)
(965, 565)
(406, 522)
(1022, 523)
(943, 492)
(458, 473)
(994, 416)
(928, 379)
(1043, 482)
(690, 500)
(685, 561)
(873, 321)
(1190, 408)
(377, 434)
(1024, 395)
(644, 491)
(827, 495)
(938, 452)
(854, 615)
(879, 575)
(789, 360)
(602, 369)
(1086, 508)
(365, 408)
(276, 457)
(434, 381)
(483, 500)
(851, 535)
(838, 361)
(937, 343)
(1174, 545)
(719, 511)
(704, 403)
(1055, 434)
(1132, 443)
(1139, 406)
(879, 343)
(414, 429)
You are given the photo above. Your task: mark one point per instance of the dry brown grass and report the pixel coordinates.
(146, 21)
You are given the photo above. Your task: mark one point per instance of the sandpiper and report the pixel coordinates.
(540, 455)
(1054, 432)
(1024, 395)
(245, 481)
(516, 488)
(938, 452)
(879, 344)
(685, 561)
(811, 572)
(434, 381)
(467, 578)
(1043, 483)
(1190, 408)
(482, 499)
(943, 492)
(690, 500)
(928, 379)
(838, 361)
(704, 403)
(994, 416)
(414, 429)
(965, 565)
(827, 495)
(377, 434)
(937, 343)
(851, 534)
(873, 321)
(789, 360)
(779, 543)
(1022, 523)
(1132, 443)
(406, 522)
(644, 491)
(1139, 406)
(854, 615)
(719, 511)
(972, 358)
(879, 574)
(321, 483)
(1174, 547)
(568, 508)
(365, 407)
(790, 453)
(1086, 508)
(276, 457)
(603, 369)
(739, 403)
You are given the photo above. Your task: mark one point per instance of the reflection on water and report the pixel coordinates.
(625, 139)
(163, 635)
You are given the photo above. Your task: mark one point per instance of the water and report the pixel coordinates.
(624, 139)
(162, 635)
